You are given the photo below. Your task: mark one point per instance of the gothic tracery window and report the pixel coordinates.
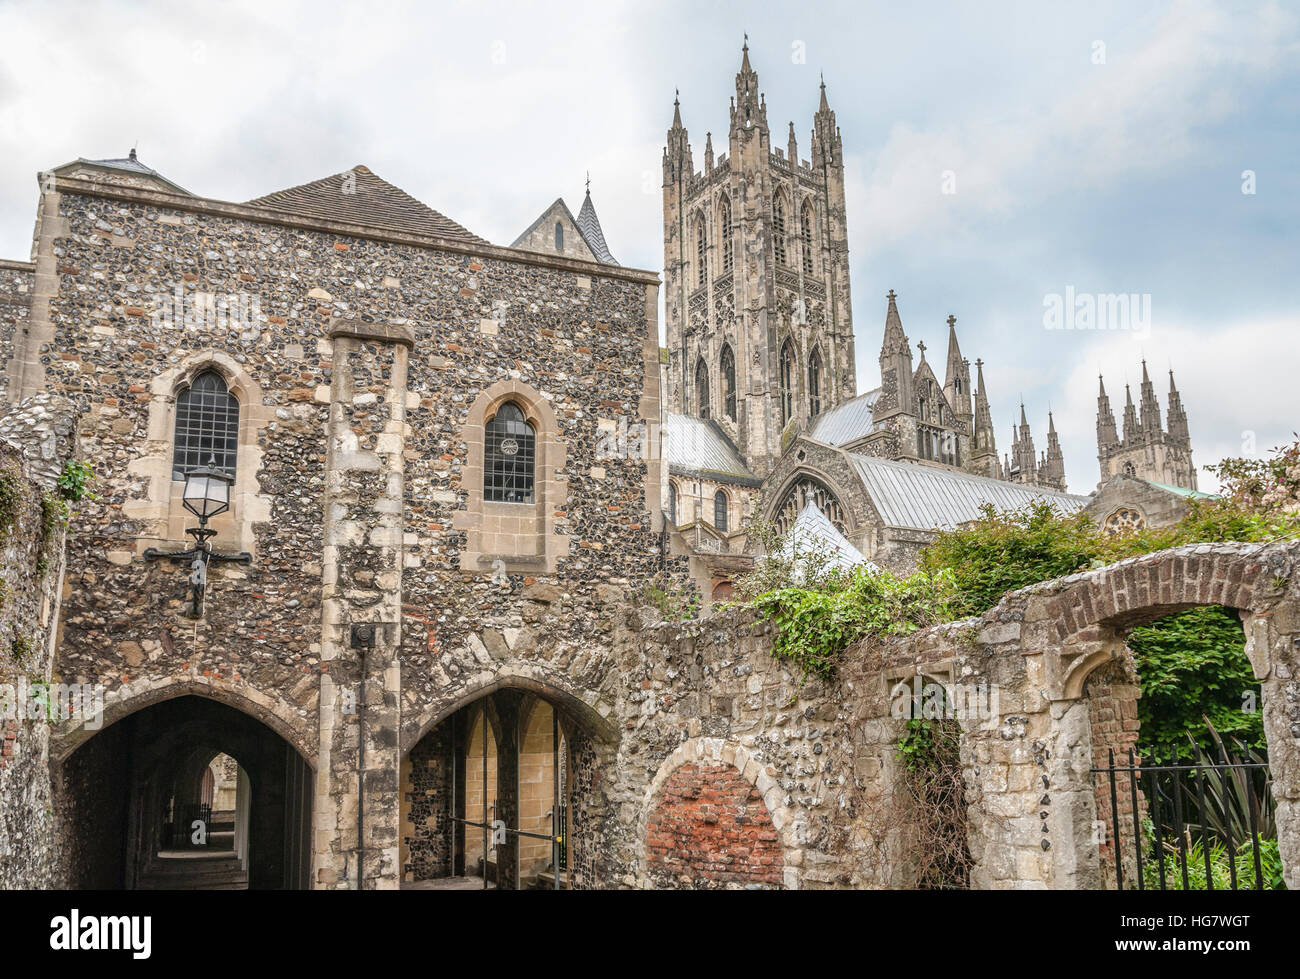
(509, 457)
(1124, 520)
(728, 367)
(701, 252)
(787, 383)
(806, 489)
(805, 233)
(778, 230)
(702, 389)
(815, 384)
(207, 426)
(724, 230)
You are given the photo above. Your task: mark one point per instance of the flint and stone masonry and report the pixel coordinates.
(365, 360)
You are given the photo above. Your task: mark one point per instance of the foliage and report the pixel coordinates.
(1242, 860)
(1193, 666)
(814, 626)
(1263, 485)
(11, 499)
(23, 651)
(73, 483)
(1003, 551)
(674, 602)
(933, 795)
(782, 566)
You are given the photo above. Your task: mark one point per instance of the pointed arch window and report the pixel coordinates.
(804, 490)
(559, 236)
(728, 367)
(702, 389)
(672, 503)
(509, 457)
(720, 511)
(778, 230)
(701, 251)
(207, 426)
(815, 384)
(805, 233)
(787, 383)
(724, 230)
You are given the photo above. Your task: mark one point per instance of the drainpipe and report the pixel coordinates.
(363, 638)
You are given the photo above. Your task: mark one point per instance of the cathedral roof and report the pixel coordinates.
(928, 498)
(699, 447)
(358, 196)
(813, 533)
(846, 422)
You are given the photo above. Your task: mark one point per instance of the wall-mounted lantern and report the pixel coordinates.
(206, 494)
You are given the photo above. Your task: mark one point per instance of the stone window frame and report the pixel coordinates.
(726, 510)
(674, 502)
(807, 234)
(519, 537)
(161, 509)
(727, 375)
(725, 233)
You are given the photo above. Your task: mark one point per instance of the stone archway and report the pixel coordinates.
(511, 731)
(1082, 621)
(712, 816)
(124, 797)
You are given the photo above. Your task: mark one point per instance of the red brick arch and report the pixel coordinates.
(711, 828)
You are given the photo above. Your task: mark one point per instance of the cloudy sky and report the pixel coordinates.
(998, 154)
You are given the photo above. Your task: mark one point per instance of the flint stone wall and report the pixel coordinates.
(31, 568)
(1053, 654)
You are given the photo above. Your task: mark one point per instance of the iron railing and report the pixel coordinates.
(1186, 823)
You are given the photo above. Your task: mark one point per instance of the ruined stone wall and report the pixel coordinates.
(17, 280)
(31, 566)
(1045, 686)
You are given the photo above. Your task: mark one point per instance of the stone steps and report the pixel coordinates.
(200, 872)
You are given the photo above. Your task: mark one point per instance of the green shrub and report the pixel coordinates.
(815, 626)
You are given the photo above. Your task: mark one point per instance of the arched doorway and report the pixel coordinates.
(489, 793)
(186, 794)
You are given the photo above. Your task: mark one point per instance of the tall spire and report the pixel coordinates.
(1177, 416)
(985, 450)
(895, 363)
(1131, 430)
(1106, 434)
(748, 112)
(1052, 472)
(1150, 407)
(792, 148)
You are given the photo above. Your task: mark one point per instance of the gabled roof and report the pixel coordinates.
(589, 225)
(813, 533)
(846, 422)
(699, 447)
(128, 164)
(358, 196)
(586, 222)
(927, 498)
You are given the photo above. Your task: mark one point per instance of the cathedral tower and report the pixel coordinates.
(756, 277)
(1147, 450)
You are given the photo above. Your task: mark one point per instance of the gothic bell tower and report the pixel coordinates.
(760, 333)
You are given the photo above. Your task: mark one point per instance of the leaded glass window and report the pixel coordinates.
(509, 457)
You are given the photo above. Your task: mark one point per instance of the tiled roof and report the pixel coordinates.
(846, 422)
(373, 202)
(589, 225)
(928, 498)
(698, 447)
